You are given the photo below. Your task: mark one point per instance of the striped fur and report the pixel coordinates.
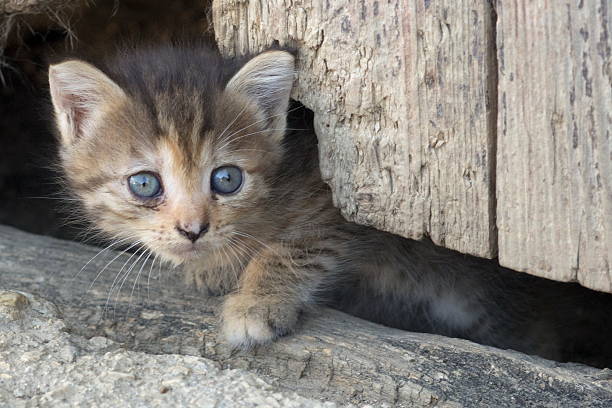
(278, 246)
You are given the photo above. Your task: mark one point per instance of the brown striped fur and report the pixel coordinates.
(278, 245)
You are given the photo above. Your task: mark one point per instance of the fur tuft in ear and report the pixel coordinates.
(267, 80)
(79, 93)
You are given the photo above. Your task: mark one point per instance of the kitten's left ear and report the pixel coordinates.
(267, 80)
(80, 93)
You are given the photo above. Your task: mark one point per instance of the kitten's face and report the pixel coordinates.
(187, 176)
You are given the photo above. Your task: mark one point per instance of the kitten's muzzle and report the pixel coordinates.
(192, 234)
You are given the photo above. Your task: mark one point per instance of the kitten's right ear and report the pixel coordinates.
(80, 93)
(267, 80)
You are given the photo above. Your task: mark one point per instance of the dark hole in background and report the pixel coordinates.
(27, 147)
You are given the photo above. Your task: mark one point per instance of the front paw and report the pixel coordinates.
(250, 320)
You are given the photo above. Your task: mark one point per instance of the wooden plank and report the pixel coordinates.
(404, 101)
(554, 169)
(333, 356)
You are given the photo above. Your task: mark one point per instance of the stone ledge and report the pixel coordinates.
(333, 357)
(41, 364)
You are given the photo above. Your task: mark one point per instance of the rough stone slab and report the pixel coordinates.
(333, 356)
(42, 365)
(403, 94)
(554, 169)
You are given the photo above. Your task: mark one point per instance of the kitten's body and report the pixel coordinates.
(277, 245)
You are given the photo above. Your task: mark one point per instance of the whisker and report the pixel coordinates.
(251, 251)
(230, 141)
(263, 120)
(109, 263)
(225, 255)
(232, 122)
(149, 279)
(159, 272)
(247, 235)
(246, 249)
(100, 252)
(110, 291)
(136, 280)
(126, 276)
(51, 198)
(250, 150)
(231, 251)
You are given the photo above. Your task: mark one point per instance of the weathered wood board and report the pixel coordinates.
(404, 101)
(333, 356)
(412, 139)
(554, 168)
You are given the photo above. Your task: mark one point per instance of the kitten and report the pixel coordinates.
(189, 156)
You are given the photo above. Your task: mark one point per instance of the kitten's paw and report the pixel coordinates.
(250, 320)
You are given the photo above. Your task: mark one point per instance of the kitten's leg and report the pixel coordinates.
(275, 287)
(211, 282)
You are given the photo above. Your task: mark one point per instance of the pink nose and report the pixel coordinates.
(193, 231)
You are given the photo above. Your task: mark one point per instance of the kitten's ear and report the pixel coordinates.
(267, 79)
(80, 93)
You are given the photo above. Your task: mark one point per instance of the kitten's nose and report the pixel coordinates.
(192, 232)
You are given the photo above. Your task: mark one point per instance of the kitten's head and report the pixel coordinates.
(174, 149)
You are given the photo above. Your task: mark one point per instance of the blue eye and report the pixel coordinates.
(226, 179)
(144, 185)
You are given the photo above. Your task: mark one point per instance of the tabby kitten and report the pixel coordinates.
(188, 154)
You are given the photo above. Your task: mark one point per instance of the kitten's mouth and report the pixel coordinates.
(180, 252)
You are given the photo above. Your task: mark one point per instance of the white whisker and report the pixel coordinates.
(149, 279)
(110, 291)
(231, 251)
(247, 235)
(100, 252)
(228, 142)
(259, 121)
(136, 280)
(111, 261)
(232, 122)
(127, 274)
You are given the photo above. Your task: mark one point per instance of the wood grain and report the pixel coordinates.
(554, 170)
(404, 101)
